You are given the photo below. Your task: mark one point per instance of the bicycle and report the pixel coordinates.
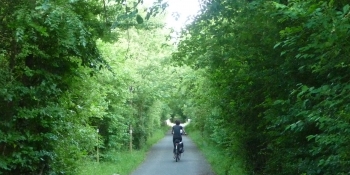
(177, 153)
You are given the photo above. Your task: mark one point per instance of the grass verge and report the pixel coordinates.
(123, 162)
(217, 158)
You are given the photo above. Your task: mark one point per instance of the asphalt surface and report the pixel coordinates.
(160, 161)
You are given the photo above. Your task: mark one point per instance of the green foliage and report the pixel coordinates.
(52, 98)
(43, 43)
(120, 162)
(75, 77)
(274, 76)
(218, 159)
(315, 112)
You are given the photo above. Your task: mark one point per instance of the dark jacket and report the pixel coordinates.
(176, 131)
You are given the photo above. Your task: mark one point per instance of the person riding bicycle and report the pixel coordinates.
(177, 131)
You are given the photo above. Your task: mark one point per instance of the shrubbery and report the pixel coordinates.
(276, 78)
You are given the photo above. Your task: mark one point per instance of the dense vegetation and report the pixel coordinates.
(266, 82)
(274, 83)
(76, 75)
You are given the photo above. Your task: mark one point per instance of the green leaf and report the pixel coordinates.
(139, 19)
(346, 8)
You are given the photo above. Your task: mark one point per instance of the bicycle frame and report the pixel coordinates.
(177, 152)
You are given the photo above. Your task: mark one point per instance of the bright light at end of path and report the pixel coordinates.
(168, 122)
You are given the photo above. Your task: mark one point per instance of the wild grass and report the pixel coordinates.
(124, 164)
(120, 163)
(221, 163)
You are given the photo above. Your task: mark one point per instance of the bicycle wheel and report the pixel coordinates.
(176, 154)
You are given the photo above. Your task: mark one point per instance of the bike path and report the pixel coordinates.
(160, 161)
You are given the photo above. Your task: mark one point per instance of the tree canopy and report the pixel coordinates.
(265, 81)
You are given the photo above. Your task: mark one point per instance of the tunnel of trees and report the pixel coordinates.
(267, 81)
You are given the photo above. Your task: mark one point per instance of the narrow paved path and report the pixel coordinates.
(160, 161)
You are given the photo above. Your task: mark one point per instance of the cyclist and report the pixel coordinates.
(177, 132)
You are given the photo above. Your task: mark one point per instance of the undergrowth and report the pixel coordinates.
(221, 163)
(120, 163)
